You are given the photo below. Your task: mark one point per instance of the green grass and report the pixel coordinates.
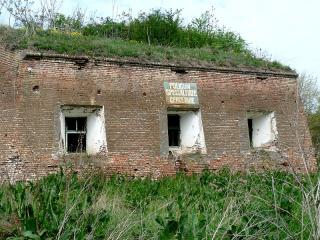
(218, 205)
(96, 46)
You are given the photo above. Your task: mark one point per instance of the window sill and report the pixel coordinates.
(185, 151)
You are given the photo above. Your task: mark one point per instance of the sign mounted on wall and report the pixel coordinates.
(181, 93)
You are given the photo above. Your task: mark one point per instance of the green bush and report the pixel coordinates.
(107, 29)
(165, 28)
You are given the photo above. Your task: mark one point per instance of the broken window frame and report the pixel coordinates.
(82, 134)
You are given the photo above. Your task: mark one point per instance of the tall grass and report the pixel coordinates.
(222, 205)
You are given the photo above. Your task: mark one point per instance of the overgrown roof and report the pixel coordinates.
(77, 44)
(158, 37)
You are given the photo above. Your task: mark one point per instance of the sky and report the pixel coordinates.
(287, 30)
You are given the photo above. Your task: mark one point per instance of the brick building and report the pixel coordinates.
(146, 119)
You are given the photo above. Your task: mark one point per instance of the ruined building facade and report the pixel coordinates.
(145, 119)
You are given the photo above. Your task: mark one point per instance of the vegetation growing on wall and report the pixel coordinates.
(207, 206)
(159, 35)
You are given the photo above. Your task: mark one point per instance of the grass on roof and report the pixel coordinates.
(75, 43)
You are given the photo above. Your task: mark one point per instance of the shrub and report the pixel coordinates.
(219, 205)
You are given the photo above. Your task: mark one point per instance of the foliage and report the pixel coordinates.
(161, 28)
(67, 23)
(165, 28)
(107, 29)
(32, 18)
(314, 126)
(218, 205)
(309, 92)
(2, 3)
(310, 97)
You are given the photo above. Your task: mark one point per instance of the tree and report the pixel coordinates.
(2, 3)
(69, 23)
(27, 15)
(310, 96)
(49, 9)
(309, 92)
(206, 23)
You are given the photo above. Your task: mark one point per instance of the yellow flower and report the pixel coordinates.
(75, 34)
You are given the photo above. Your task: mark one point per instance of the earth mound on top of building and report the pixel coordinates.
(99, 47)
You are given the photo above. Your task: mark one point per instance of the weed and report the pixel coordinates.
(222, 205)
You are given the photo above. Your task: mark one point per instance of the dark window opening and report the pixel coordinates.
(71, 124)
(250, 131)
(174, 130)
(76, 134)
(76, 142)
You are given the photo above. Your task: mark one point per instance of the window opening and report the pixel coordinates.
(185, 132)
(262, 129)
(250, 131)
(174, 130)
(76, 134)
(82, 129)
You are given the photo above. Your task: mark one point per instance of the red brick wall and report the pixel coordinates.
(135, 112)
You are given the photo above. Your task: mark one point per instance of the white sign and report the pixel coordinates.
(181, 93)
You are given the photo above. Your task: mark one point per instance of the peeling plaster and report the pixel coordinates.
(192, 136)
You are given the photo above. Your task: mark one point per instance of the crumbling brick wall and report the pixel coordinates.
(33, 87)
